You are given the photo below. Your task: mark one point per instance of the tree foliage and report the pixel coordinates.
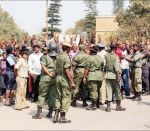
(117, 6)
(8, 27)
(54, 17)
(91, 12)
(134, 22)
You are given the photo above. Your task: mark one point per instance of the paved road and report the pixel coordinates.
(137, 117)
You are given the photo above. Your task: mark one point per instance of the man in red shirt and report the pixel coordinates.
(119, 50)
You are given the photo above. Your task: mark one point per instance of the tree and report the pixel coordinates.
(117, 5)
(91, 12)
(134, 21)
(8, 28)
(53, 16)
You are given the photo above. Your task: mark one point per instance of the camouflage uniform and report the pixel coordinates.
(79, 62)
(113, 70)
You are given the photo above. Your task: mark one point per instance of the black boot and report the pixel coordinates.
(135, 96)
(73, 103)
(108, 109)
(118, 107)
(98, 104)
(63, 119)
(55, 120)
(138, 97)
(49, 115)
(38, 115)
(92, 106)
(84, 103)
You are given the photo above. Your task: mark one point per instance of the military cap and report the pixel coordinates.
(81, 47)
(112, 46)
(66, 44)
(94, 49)
(24, 50)
(101, 45)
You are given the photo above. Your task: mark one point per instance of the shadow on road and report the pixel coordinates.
(144, 103)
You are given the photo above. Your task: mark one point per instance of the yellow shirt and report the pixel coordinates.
(22, 67)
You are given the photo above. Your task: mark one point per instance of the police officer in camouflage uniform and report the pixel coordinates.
(64, 84)
(113, 75)
(79, 63)
(52, 92)
(94, 76)
(145, 71)
(137, 72)
(47, 83)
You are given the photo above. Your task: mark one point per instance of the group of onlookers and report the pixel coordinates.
(21, 69)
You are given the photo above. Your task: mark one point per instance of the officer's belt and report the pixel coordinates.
(136, 67)
(111, 71)
(95, 70)
(80, 66)
(23, 77)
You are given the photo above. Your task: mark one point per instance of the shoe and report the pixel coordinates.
(118, 107)
(108, 109)
(7, 103)
(92, 106)
(55, 120)
(138, 98)
(63, 119)
(33, 100)
(12, 102)
(97, 104)
(135, 95)
(25, 107)
(146, 93)
(38, 115)
(49, 115)
(84, 103)
(73, 103)
(18, 109)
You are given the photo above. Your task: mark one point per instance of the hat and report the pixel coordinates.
(112, 46)
(101, 45)
(44, 48)
(66, 44)
(94, 49)
(81, 47)
(24, 50)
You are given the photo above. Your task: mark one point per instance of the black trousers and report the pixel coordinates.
(35, 87)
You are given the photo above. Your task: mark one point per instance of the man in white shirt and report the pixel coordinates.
(35, 71)
(125, 71)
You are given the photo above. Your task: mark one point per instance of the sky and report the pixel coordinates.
(30, 14)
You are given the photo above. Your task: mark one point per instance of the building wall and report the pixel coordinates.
(105, 27)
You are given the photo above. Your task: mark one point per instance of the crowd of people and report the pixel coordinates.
(60, 73)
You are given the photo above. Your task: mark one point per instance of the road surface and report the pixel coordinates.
(136, 117)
